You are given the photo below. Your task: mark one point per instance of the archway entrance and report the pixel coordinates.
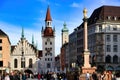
(28, 71)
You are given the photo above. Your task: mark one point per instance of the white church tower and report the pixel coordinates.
(48, 44)
(65, 34)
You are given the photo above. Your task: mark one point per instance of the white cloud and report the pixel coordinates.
(14, 33)
(76, 5)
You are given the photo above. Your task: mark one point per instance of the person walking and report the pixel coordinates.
(39, 76)
(7, 77)
(87, 76)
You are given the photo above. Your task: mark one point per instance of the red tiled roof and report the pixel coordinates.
(48, 32)
(48, 16)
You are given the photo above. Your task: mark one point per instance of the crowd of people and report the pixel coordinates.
(28, 76)
(106, 75)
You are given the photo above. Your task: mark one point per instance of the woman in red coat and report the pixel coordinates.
(39, 76)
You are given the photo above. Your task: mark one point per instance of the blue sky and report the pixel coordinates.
(30, 14)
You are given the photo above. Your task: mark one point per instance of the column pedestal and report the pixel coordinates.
(87, 67)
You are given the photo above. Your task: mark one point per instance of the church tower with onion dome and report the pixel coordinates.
(48, 44)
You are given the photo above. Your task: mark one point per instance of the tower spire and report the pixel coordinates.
(32, 40)
(48, 16)
(64, 25)
(22, 34)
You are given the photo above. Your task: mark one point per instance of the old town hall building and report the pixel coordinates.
(48, 45)
(24, 56)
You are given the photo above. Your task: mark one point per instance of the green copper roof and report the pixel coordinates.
(65, 29)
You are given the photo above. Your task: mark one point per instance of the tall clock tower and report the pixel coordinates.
(48, 44)
(65, 34)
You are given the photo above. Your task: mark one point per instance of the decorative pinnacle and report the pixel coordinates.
(22, 35)
(85, 13)
(33, 40)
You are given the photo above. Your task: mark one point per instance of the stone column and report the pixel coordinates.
(86, 51)
(86, 67)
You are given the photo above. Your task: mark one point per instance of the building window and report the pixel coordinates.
(109, 27)
(30, 63)
(46, 49)
(115, 59)
(100, 28)
(22, 63)
(0, 40)
(108, 59)
(0, 55)
(108, 48)
(45, 54)
(0, 47)
(45, 59)
(1, 63)
(115, 48)
(115, 18)
(48, 65)
(109, 17)
(108, 38)
(48, 23)
(115, 38)
(45, 43)
(50, 43)
(15, 63)
(114, 28)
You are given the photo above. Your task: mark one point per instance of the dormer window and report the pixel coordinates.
(118, 18)
(109, 17)
(114, 28)
(115, 18)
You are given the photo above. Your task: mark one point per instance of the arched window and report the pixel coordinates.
(93, 60)
(30, 63)
(115, 59)
(108, 59)
(23, 62)
(15, 63)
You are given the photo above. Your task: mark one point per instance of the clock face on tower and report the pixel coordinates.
(48, 51)
(48, 39)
